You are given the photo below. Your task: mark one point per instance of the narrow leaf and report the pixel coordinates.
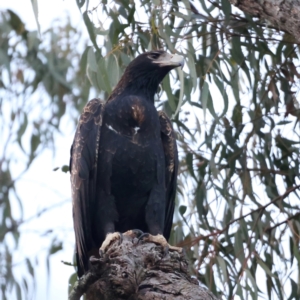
(204, 98)
(34, 4)
(180, 74)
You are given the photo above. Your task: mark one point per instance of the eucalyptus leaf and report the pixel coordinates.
(34, 4)
(204, 98)
(180, 100)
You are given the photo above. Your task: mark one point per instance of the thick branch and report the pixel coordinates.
(82, 285)
(283, 14)
(139, 271)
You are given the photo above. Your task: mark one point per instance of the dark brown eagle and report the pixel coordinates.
(124, 160)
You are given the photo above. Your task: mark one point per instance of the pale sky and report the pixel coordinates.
(41, 187)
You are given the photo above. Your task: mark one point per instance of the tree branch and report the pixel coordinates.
(139, 271)
(220, 231)
(82, 285)
(283, 222)
(284, 14)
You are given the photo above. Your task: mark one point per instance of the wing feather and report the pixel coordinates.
(83, 168)
(168, 137)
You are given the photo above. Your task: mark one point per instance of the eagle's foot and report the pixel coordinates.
(134, 233)
(95, 261)
(110, 238)
(160, 240)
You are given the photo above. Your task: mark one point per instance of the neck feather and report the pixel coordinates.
(143, 83)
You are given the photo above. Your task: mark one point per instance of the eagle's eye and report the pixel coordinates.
(154, 55)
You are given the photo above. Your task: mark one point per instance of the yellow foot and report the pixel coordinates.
(110, 238)
(159, 240)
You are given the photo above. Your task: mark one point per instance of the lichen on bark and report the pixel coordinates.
(283, 14)
(140, 271)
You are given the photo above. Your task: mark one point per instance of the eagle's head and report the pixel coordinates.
(144, 74)
(158, 60)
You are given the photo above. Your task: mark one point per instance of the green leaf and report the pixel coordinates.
(113, 70)
(80, 3)
(65, 169)
(238, 247)
(21, 131)
(91, 68)
(16, 23)
(30, 267)
(198, 125)
(83, 59)
(91, 60)
(200, 199)
(264, 267)
(213, 167)
(91, 29)
(204, 97)
(180, 100)
(237, 53)
(192, 67)
(222, 265)
(189, 162)
(284, 122)
(35, 142)
(221, 87)
(18, 291)
(55, 247)
(234, 83)
(295, 290)
(170, 95)
(102, 76)
(182, 209)
(226, 7)
(5, 61)
(210, 106)
(166, 37)
(67, 263)
(251, 292)
(35, 8)
(246, 182)
(237, 115)
(72, 280)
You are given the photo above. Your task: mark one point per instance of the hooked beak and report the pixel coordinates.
(171, 60)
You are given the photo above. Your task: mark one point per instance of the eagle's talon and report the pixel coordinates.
(101, 253)
(95, 261)
(159, 240)
(110, 238)
(120, 238)
(166, 250)
(137, 232)
(144, 235)
(134, 233)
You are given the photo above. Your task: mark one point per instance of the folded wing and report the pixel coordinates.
(83, 168)
(168, 137)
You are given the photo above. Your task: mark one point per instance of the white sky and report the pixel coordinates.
(40, 187)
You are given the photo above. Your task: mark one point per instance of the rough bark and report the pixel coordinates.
(283, 14)
(139, 271)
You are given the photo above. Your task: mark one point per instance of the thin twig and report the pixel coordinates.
(220, 231)
(283, 222)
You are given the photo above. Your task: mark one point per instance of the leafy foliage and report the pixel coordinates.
(238, 205)
(37, 81)
(238, 193)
